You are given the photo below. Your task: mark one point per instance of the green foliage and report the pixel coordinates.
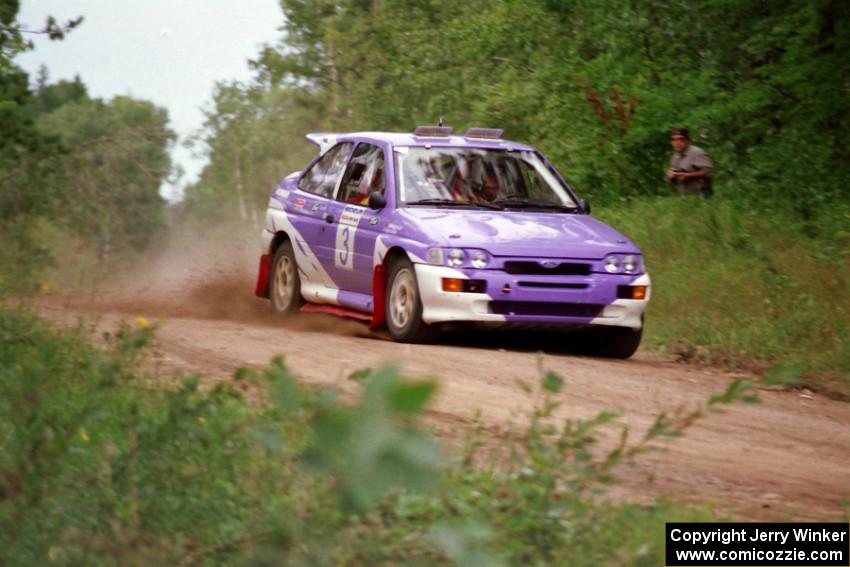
(746, 288)
(596, 85)
(12, 40)
(783, 375)
(49, 97)
(22, 145)
(106, 186)
(23, 255)
(374, 446)
(95, 465)
(82, 171)
(254, 138)
(87, 170)
(738, 390)
(98, 467)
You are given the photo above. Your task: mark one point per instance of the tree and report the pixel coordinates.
(254, 136)
(594, 84)
(105, 187)
(72, 164)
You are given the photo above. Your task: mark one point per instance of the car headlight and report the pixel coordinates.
(456, 257)
(479, 259)
(612, 264)
(623, 264)
(435, 256)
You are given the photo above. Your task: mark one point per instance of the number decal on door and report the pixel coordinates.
(343, 254)
(345, 238)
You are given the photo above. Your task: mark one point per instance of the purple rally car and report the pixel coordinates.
(415, 230)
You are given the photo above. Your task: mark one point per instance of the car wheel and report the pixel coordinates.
(404, 305)
(285, 288)
(618, 342)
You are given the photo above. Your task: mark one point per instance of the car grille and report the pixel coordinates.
(554, 285)
(534, 268)
(545, 309)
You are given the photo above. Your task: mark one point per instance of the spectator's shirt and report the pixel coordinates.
(692, 159)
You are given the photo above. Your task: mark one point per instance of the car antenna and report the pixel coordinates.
(440, 124)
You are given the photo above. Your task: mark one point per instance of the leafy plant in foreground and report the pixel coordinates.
(98, 467)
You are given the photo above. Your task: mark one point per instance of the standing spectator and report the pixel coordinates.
(690, 167)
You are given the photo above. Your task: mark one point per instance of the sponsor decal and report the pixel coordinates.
(350, 217)
(299, 203)
(315, 207)
(373, 221)
(282, 193)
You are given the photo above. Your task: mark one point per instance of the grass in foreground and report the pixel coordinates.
(96, 468)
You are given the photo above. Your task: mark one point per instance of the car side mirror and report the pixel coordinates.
(584, 205)
(377, 200)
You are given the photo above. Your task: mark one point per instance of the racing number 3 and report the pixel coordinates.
(345, 239)
(345, 252)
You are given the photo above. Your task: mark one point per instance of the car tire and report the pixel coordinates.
(403, 305)
(617, 342)
(285, 283)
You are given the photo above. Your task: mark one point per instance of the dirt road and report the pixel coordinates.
(787, 456)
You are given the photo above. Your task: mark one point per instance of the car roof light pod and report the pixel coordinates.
(433, 131)
(484, 133)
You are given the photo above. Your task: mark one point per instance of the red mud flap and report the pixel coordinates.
(262, 289)
(379, 287)
(335, 310)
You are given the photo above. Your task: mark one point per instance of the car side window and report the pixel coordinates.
(321, 178)
(364, 175)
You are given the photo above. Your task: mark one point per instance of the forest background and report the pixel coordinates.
(97, 466)
(756, 278)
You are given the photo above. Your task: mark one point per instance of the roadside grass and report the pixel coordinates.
(749, 289)
(98, 468)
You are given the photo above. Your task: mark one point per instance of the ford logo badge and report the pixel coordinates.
(549, 264)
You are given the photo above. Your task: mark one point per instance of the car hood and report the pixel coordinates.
(512, 233)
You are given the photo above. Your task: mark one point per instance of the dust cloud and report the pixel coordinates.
(201, 278)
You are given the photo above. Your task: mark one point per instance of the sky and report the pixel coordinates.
(171, 52)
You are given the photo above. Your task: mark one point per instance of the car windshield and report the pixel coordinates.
(506, 179)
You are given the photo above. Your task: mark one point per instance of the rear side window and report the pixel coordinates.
(364, 175)
(321, 178)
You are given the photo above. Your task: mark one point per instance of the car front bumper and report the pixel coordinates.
(545, 300)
